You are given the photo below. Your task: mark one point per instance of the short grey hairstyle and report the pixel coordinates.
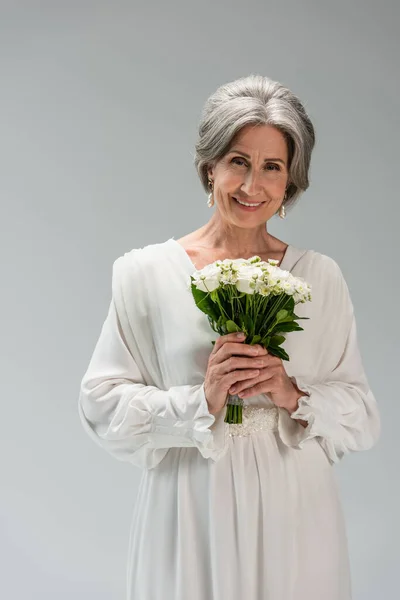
(257, 100)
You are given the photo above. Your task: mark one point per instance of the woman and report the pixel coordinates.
(232, 511)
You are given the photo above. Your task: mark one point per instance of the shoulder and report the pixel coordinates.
(326, 277)
(137, 262)
(320, 266)
(140, 256)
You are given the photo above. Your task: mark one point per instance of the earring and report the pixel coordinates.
(282, 210)
(210, 201)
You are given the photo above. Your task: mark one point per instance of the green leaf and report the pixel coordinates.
(204, 302)
(277, 340)
(281, 315)
(280, 352)
(297, 317)
(265, 340)
(286, 327)
(289, 304)
(246, 323)
(232, 327)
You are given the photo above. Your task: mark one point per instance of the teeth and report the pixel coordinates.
(245, 203)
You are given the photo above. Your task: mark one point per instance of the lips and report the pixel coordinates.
(242, 200)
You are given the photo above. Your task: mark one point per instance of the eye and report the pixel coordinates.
(238, 158)
(240, 161)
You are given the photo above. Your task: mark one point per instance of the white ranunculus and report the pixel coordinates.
(285, 274)
(246, 277)
(207, 279)
(288, 287)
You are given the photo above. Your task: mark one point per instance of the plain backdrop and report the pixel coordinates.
(99, 106)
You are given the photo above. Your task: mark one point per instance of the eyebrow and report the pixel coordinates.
(266, 160)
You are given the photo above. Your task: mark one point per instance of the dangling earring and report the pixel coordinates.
(282, 210)
(210, 201)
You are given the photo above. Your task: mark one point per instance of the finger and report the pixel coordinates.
(266, 385)
(237, 337)
(239, 386)
(230, 349)
(254, 390)
(230, 378)
(263, 376)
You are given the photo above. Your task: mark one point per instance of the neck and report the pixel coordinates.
(235, 241)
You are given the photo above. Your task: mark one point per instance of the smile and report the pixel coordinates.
(248, 205)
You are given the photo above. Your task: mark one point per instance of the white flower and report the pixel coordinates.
(263, 288)
(229, 263)
(247, 277)
(271, 278)
(207, 279)
(302, 290)
(288, 286)
(229, 276)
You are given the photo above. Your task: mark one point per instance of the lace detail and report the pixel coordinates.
(255, 418)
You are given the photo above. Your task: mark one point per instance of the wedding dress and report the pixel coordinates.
(227, 512)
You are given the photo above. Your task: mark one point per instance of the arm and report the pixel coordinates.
(340, 410)
(136, 422)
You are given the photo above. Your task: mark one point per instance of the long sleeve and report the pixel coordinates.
(135, 422)
(340, 408)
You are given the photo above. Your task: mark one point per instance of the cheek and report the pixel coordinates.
(277, 189)
(228, 175)
(231, 181)
(279, 183)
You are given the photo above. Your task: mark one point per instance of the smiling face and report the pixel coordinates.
(254, 170)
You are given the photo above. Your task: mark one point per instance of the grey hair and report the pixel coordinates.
(257, 100)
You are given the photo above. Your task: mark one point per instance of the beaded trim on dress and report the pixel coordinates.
(255, 418)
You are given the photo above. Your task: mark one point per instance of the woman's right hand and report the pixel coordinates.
(225, 368)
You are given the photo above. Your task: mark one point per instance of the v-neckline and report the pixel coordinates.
(284, 261)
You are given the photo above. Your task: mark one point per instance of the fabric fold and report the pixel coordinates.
(136, 422)
(341, 412)
(338, 405)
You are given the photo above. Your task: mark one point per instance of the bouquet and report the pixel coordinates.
(252, 296)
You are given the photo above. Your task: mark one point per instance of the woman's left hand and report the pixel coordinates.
(272, 380)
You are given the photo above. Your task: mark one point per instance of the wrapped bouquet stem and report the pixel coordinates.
(252, 296)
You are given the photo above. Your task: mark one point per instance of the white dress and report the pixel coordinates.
(227, 512)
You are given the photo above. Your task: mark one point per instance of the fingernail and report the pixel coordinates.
(240, 335)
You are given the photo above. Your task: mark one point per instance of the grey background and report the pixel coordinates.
(99, 106)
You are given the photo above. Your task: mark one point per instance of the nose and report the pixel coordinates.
(251, 185)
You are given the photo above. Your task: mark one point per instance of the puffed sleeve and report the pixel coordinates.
(135, 422)
(340, 408)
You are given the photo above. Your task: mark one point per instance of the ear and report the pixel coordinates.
(210, 172)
